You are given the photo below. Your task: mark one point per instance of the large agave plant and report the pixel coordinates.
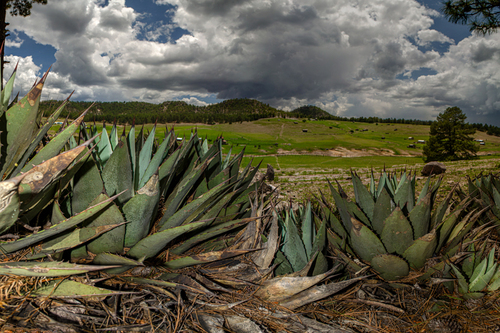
(102, 202)
(391, 229)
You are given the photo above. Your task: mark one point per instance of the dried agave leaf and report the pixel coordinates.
(203, 258)
(279, 289)
(316, 293)
(48, 268)
(9, 202)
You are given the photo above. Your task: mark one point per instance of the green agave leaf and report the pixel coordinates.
(397, 234)
(140, 211)
(438, 215)
(113, 137)
(111, 241)
(364, 242)
(116, 260)
(144, 157)
(168, 166)
(483, 273)
(131, 148)
(195, 207)
(342, 207)
(390, 267)
(57, 214)
(7, 92)
(334, 222)
(421, 250)
(462, 228)
(381, 211)
(155, 162)
(139, 143)
(47, 269)
(373, 190)
(87, 186)
(20, 125)
(41, 133)
(9, 247)
(405, 195)
(425, 190)
(9, 202)
(117, 173)
(356, 212)
(468, 263)
(320, 239)
(494, 282)
(153, 244)
(175, 199)
(363, 198)
(73, 239)
(103, 148)
(209, 233)
(308, 231)
(282, 264)
(320, 264)
(463, 287)
(203, 258)
(420, 216)
(69, 288)
(293, 248)
(447, 226)
(55, 145)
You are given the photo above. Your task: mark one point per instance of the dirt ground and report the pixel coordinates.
(300, 184)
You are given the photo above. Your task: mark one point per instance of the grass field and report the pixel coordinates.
(303, 161)
(284, 144)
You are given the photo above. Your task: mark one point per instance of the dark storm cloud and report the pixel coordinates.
(213, 7)
(349, 57)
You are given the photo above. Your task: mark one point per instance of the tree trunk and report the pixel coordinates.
(3, 35)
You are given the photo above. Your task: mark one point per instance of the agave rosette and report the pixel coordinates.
(100, 198)
(391, 229)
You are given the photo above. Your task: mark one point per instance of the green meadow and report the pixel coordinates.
(310, 144)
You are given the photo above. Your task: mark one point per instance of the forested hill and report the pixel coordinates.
(309, 111)
(232, 110)
(228, 111)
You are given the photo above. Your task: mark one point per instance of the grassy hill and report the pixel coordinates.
(284, 143)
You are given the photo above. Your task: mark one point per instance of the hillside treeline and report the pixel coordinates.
(233, 110)
(228, 111)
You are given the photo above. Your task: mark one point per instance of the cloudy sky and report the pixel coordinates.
(386, 58)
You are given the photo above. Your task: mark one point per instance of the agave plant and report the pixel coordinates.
(103, 200)
(485, 190)
(474, 276)
(391, 229)
(302, 249)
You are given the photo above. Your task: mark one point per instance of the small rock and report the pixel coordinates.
(433, 168)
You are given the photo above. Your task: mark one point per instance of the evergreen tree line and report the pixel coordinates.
(228, 111)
